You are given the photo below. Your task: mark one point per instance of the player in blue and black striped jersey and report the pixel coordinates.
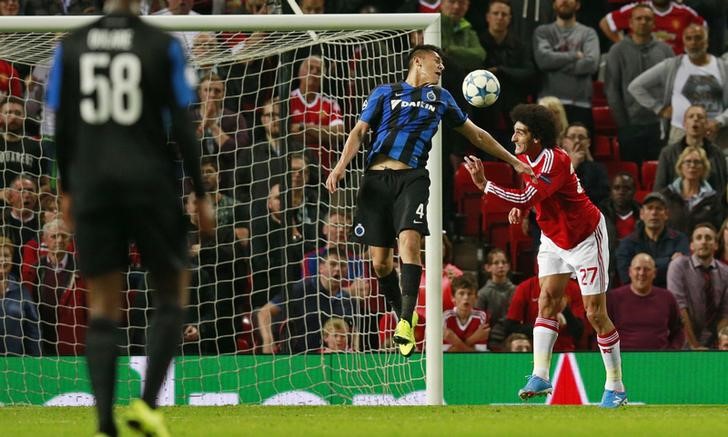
(116, 86)
(392, 199)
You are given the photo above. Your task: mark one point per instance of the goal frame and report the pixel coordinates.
(428, 23)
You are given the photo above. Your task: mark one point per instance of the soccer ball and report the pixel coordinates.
(481, 88)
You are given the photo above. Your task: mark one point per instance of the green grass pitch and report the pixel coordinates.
(449, 421)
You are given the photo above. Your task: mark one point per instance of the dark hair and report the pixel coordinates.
(579, 124)
(539, 120)
(513, 337)
(209, 160)
(13, 100)
(703, 225)
(466, 280)
(505, 2)
(418, 51)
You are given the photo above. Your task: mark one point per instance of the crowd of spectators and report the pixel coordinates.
(281, 274)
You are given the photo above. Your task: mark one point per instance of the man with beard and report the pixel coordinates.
(568, 54)
(695, 78)
(671, 20)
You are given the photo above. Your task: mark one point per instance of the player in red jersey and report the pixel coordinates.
(573, 241)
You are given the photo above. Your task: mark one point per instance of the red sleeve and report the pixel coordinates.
(545, 184)
(619, 19)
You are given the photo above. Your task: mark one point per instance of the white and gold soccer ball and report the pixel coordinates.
(481, 88)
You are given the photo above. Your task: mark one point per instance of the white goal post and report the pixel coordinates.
(21, 49)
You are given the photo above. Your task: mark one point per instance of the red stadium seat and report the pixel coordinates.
(499, 173)
(467, 200)
(521, 253)
(603, 148)
(603, 121)
(640, 195)
(598, 96)
(494, 224)
(614, 167)
(649, 171)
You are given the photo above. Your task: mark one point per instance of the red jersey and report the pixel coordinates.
(427, 8)
(463, 331)
(323, 111)
(625, 224)
(524, 310)
(669, 25)
(563, 211)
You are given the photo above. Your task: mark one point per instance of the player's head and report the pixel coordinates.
(695, 40)
(56, 236)
(464, 292)
(518, 342)
(497, 265)
(534, 126)
(723, 339)
(642, 20)
(704, 241)
(425, 64)
(499, 15)
(695, 121)
(7, 249)
(336, 334)
(642, 272)
(12, 115)
(622, 190)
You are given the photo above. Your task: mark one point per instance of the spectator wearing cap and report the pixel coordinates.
(652, 236)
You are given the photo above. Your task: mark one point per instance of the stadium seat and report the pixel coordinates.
(467, 199)
(649, 171)
(603, 121)
(640, 195)
(614, 167)
(499, 172)
(494, 224)
(520, 246)
(598, 96)
(603, 148)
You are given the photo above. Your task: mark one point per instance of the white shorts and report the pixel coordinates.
(588, 260)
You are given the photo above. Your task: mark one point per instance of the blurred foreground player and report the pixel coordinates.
(573, 241)
(115, 86)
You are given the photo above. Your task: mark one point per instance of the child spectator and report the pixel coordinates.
(336, 336)
(496, 294)
(465, 328)
(518, 342)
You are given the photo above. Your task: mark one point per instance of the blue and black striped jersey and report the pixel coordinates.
(405, 118)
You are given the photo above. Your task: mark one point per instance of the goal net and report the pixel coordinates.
(284, 307)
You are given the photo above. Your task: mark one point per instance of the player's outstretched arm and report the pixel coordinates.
(351, 148)
(484, 141)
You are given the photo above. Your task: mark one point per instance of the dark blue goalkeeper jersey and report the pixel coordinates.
(405, 118)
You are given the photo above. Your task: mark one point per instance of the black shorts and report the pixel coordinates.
(159, 231)
(389, 202)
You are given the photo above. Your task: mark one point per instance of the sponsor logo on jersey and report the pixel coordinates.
(359, 230)
(419, 104)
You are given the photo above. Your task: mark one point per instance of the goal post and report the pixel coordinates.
(31, 39)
